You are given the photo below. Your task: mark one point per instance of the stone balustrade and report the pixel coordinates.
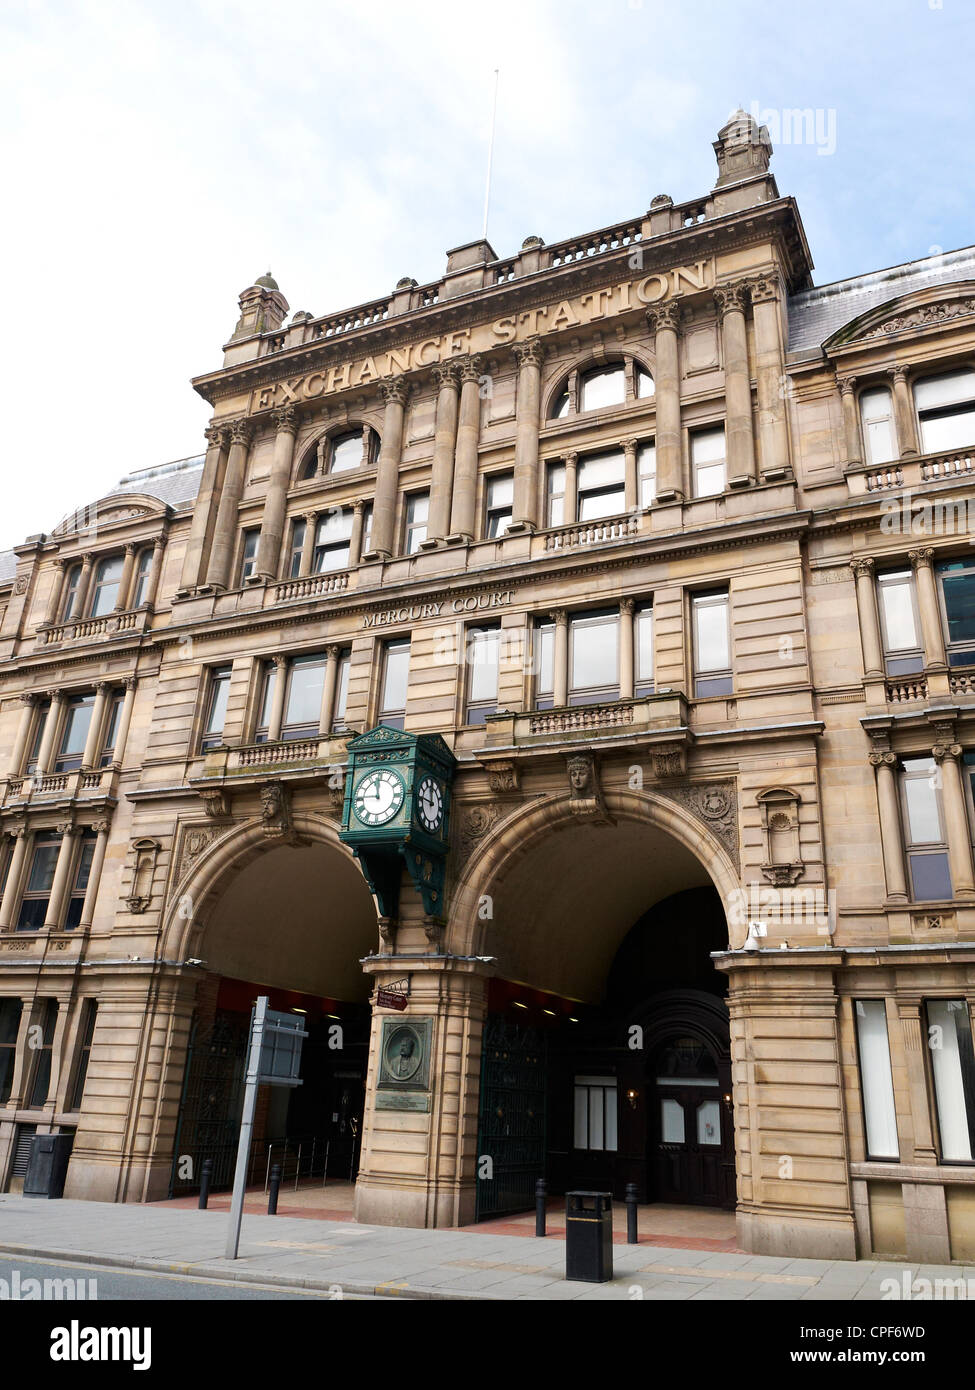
(62, 786)
(651, 715)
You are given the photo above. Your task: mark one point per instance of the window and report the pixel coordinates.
(903, 652)
(143, 568)
(74, 735)
(596, 1114)
(877, 419)
(216, 708)
(70, 599)
(646, 460)
(876, 1079)
(543, 664)
(555, 494)
(956, 581)
(927, 848)
(482, 656)
(601, 486)
(40, 1081)
(341, 691)
(333, 536)
(946, 411)
(303, 698)
(344, 451)
(112, 721)
(594, 658)
(712, 643)
(500, 493)
(85, 1035)
(366, 529)
(40, 722)
(10, 1011)
(643, 651)
(104, 595)
(79, 888)
(395, 676)
(953, 1068)
(248, 554)
(560, 406)
(269, 676)
(644, 384)
(296, 547)
(37, 894)
(602, 387)
(417, 515)
(708, 462)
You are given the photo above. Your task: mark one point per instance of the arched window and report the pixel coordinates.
(339, 453)
(644, 383)
(602, 387)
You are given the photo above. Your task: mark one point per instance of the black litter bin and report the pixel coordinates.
(589, 1237)
(47, 1166)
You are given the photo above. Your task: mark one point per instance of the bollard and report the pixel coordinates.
(205, 1183)
(631, 1201)
(541, 1189)
(272, 1198)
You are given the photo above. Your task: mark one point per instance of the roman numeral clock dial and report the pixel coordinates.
(378, 797)
(429, 804)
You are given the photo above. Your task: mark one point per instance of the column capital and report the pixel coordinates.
(731, 298)
(56, 697)
(102, 686)
(333, 651)
(529, 354)
(285, 420)
(280, 662)
(88, 558)
(242, 432)
(627, 606)
(946, 752)
(863, 565)
(68, 828)
(216, 436)
(395, 390)
(664, 316)
(59, 562)
(100, 827)
(159, 543)
(882, 759)
(29, 697)
(764, 289)
(472, 368)
(897, 374)
(130, 682)
(921, 559)
(571, 457)
(447, 374)
(359, 505)
(131, 547)
(559, 617)
(629, 444)
(847, 385)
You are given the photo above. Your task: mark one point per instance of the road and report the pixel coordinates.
(122, 1285)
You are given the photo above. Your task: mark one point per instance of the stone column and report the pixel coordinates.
(276, 503)
(947, 754)
(631, 481)
(664, 321)
(355, 540)
(90, 756)
(125, 719)
(446, 375)
(308, 545)
(873, 654)
(155, 571)
(101, 829)
(891, 836)
(22, 740)
(225, 532)
(125, 583)
(65, 863)
(525, 511)
(914, 1038)
(205, 508)
(851, 421)
(908, 445)
(276, 716)
(51, 730)
(626, 648)
(57, 591)
(11, 893)
(570, 504)
(395, 394)
(739, 429)
(328, 691)
(927, 602)
(770, 378)
(464, 500)
(560, 659)
(84, 584)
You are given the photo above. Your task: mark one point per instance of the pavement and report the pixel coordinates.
(341, 1258)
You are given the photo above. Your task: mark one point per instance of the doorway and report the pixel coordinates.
(690, 1143)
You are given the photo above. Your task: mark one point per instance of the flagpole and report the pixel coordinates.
(487, 186)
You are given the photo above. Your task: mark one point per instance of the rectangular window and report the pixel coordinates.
(594, 654)
(708, 462)
(366, 528)
(555, 494)
(248, 554)
(104, 594)
(297, 545)
(601, 487)
(500, 495)
(40, 723)
(113, 719)
(483, 650)
(37, 894)
(953, 1068)
(395, 678)
(643, 650)
(903, 652)
(40, 1082)
(543, 664)
(956, 581)
(876, 416)
(596, 1114)
(711, 620)
(341, 691)
(216, 708)
(268, 677)
(927, 846)
(647, 471)
(141, 583)
(946, 411)
(10, 1011)
(876, 1079)
(74, 733)
(79, 888)
(417, 516)
(70, 598)
(332, 540)
(303, 700)
(86, 1034)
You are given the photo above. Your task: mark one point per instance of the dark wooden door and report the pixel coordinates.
(691, 1136)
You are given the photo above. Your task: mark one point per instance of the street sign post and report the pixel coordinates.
(273, 1059)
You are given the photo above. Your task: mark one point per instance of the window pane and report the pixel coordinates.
(711, 632)
(644, 383)
(898, 611)
(545, 658)
(107, 578)
(924, 823)
(647, 464)
(644, 644)
(949, 1039)
(84, 867)
(876, 1080)
(342, 689)
(959, 595)
(950, 389)
(708, 482)
(604, 470)
(142, 578)
(597, 1129)
(953, 430)
(707, 446)
(594, 653)
(305, 684)
(671, 1122)
(346, 452)
(218, 703)
(42, 868)
(501, 491)
(334, 526)
(395, 676)
(581, 1126)
(708, 1122)
(267, 696)
(930, 877)
(76, 727)
(611, 1118)
(875, 405)
(482, 655)
(603, 387)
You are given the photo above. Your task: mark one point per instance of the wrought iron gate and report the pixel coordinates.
(209, 1111)
(511, 1131)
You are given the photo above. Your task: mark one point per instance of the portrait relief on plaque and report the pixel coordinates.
(405, 1053)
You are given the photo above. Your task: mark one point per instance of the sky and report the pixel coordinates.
(158, 155)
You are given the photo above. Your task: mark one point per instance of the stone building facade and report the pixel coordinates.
(664, 552)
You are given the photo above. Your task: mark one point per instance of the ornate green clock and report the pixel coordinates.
(396, 813)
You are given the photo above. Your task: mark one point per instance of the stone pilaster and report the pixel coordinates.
(664, 322)
(446, 375)
(529, 357)
(905, 423)
(225, 532)
(395, 393)
(851, 421)
(464, 500)
(739, 429)
(770, 379)
(275, 504)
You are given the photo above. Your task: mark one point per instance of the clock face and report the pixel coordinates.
(429, 803)
(378, 797)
